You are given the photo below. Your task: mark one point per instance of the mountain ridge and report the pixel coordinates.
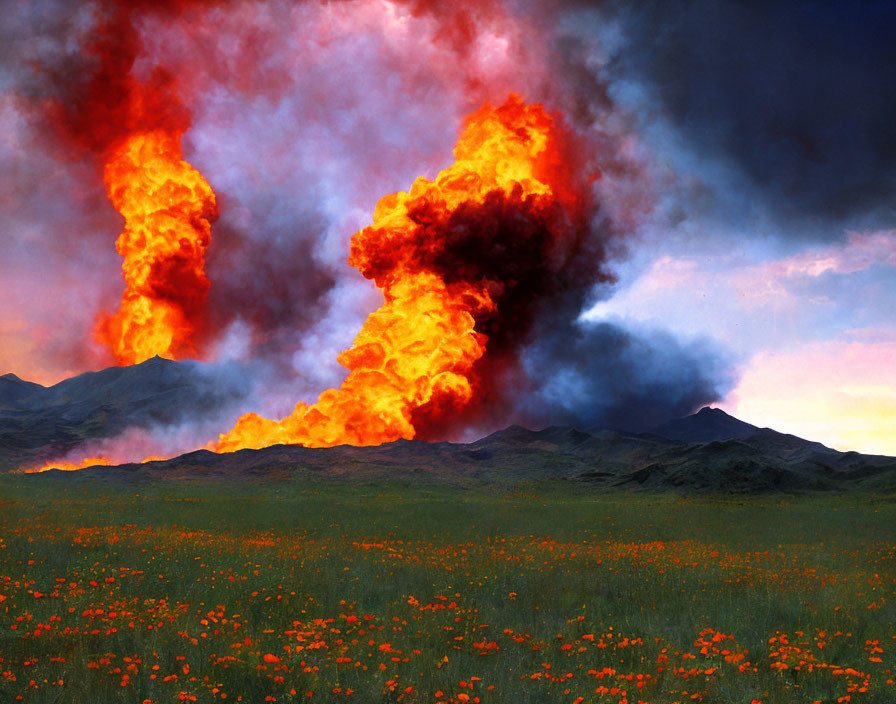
(39, 423)
(516, 454)
(709, 450)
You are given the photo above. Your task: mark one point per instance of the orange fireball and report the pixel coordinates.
(168, 209)
(433, 253)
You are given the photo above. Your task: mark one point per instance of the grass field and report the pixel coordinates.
(292, 593)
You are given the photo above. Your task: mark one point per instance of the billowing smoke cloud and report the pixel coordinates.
(602, 375)
(301, 115)
(314, 114)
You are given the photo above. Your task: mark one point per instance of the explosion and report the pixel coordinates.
(484, 268)
(462, 262)
(168, 209)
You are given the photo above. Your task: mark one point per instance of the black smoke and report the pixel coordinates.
(602, 375)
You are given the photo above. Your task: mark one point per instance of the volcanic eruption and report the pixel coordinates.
(463, 261)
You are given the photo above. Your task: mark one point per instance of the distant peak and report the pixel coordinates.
(706, 425)
(19, 381)
(706, 410)
(155, 361)
(17, 386)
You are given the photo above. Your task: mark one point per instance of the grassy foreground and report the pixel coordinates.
(337, 593)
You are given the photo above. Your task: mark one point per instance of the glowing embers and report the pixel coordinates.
(69, 466)
(168, 209)
(444, 256)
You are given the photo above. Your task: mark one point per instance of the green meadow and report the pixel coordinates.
(337, 592)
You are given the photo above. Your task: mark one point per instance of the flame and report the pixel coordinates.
(168, 209)
(415, 357)
(83, 464)
(69, 466)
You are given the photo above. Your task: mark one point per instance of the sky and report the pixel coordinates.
(744, 212)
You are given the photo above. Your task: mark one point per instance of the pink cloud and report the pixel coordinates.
(750, 303)
(861, 251)
(772, 282)
(841, 393)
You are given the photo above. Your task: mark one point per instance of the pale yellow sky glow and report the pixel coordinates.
(842, 394)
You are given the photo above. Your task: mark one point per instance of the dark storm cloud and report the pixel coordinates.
(602, 375)
(799, 97)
